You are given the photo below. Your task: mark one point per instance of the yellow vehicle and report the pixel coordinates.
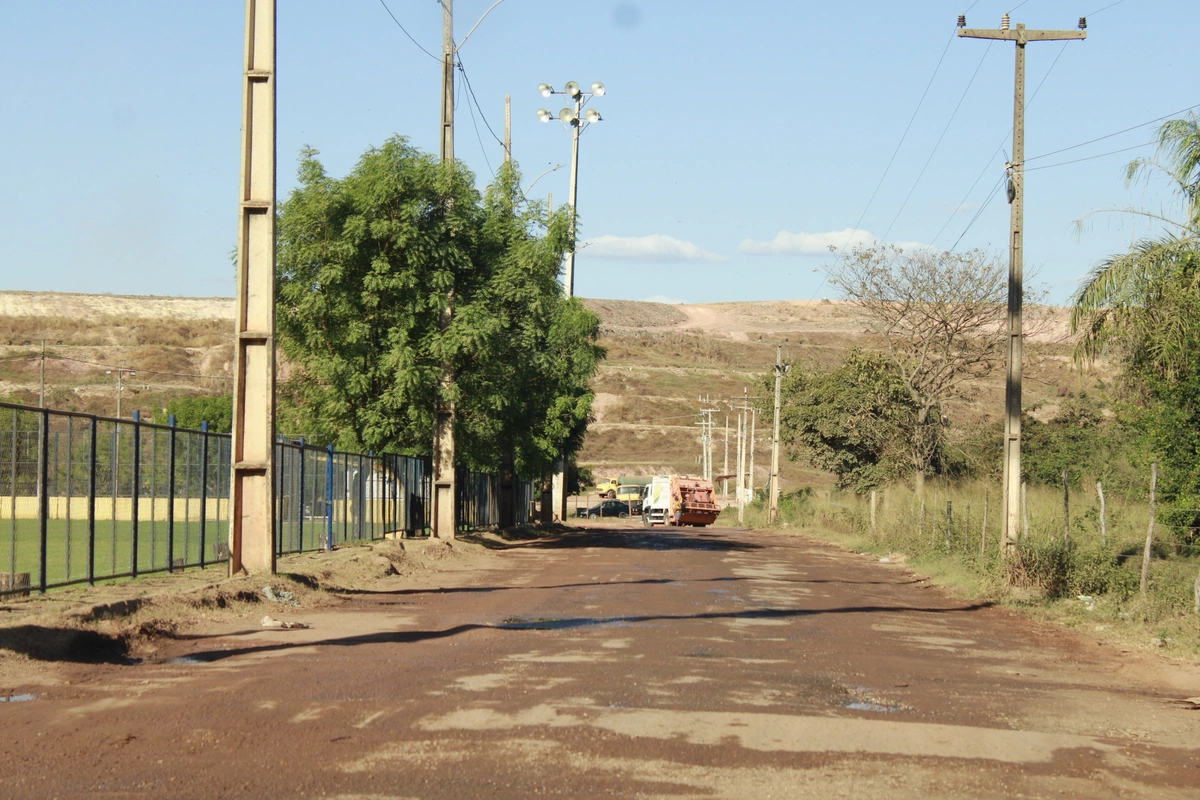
(632, 494)
(608, 488)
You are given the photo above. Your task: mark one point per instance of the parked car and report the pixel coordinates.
(607, 508)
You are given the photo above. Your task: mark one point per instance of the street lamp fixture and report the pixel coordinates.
(579, 121)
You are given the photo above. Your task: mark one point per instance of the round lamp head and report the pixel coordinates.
(572, 88)
(545, 89)
(544, 114)
(567, 115)
(598, 89)
(593, 115)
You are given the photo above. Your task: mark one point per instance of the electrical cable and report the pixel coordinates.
(1000, 146)
(1110, 135)
(406, 33)
(938, 144)
(467, 81)
(111, 366)
(979, 212)
(479, 138)
(1106, 8)
(1089, 158)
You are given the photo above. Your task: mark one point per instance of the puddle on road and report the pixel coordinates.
(186, 660)
(864, 705)
(17, 698)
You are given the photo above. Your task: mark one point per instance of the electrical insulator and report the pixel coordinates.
(1083, 23)
(1012, 191)
(1004, 22)
(962, 20)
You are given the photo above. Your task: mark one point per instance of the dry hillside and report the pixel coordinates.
(664, 363)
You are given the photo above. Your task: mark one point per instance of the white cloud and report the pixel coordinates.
(787, 243)
(655, 247)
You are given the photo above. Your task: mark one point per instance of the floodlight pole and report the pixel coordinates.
(569, 275)
(1016, 194)
(252, 485)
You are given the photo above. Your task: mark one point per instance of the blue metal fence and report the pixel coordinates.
(76, 483)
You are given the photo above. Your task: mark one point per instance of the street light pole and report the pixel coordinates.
(578, 120)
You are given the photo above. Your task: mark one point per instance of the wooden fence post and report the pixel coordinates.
(1066, 512)
(1149, 530)
(983, 528)
(949, 522)
(1024, 512)
(1103, 521)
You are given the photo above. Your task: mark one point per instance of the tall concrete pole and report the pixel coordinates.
(507, 128)
(741, 460)
(725, 465)
(1016, 197)
(447, 80)
(569, 276)
(444, 517)
(252, 485)
(750, 471)
(42, 377)
(773, 502)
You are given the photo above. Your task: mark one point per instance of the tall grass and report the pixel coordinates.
(1087, 577)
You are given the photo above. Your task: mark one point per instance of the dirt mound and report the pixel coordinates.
(635, 314)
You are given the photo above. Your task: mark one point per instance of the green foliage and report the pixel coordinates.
(853, 421)
(1086, 444)
(192, 411)
(371, 267)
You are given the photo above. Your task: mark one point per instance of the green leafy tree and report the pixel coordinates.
(854, 421)
(191, 412)
(369, 263)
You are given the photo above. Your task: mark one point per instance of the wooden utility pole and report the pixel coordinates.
(42, 376)
(444, 518)
(773, 503)
(1016, 197)
(750, 469)
(725, 464)
(741, 458)
(252, 486)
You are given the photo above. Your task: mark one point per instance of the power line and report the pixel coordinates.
(1089, 158)
(406, 33)
(479, 138)
(1111, 135)
(999, 147)
(1110, 5)
(113, 366)
(467, 81)
(979, 212)
(938, 144)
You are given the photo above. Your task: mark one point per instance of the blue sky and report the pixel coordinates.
(737, 139)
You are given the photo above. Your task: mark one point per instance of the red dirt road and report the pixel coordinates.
(622, 662)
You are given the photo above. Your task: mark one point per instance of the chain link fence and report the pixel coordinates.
(96, 499)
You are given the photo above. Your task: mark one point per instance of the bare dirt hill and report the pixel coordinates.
(665, 362)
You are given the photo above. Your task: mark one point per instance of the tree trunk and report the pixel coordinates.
(1103, 520)
(919, 483)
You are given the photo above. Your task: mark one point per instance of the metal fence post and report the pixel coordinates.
(300, 508)
(329, 500)
(43, 492)
(137, 488)
(171, 495)
(204, 487)
(91, 507)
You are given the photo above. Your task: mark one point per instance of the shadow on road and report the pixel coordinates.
(518, 624)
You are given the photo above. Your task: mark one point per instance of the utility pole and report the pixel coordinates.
(42, 390)
(750, 471)
(725, 465)
(252, 483)
(1016, 198)
(507, 128)
(447, 80)
(445, 489)
(741, 460)
(773, 502)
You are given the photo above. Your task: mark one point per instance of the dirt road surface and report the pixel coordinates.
(621, 662)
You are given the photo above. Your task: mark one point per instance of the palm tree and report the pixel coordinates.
(1123, 301)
